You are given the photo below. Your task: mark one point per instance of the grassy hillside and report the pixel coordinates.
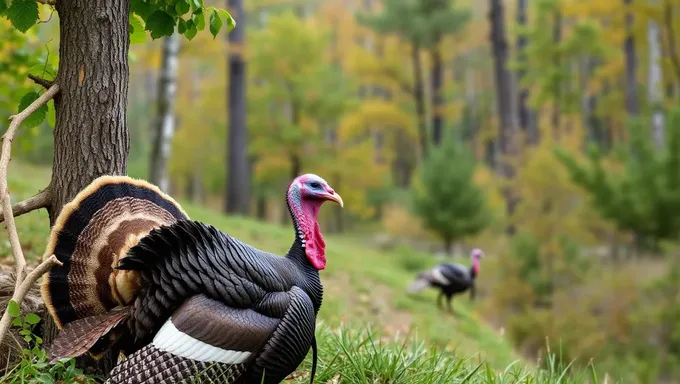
(364, 288)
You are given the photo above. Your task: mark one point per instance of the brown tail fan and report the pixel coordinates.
(90, 236)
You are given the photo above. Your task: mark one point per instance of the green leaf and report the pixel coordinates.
(13, 308)
(137, 29)
(215, 23)
(27, 338)
(25, 332)
(35, 118)
(51, 114)
(142, 8)
(181, 26)
(199, 20)
(160, 24)
(23, 14)
(231, 23)
(17, 320)
(32, 319)
(3, 7)
(191, 31)
(182, 7)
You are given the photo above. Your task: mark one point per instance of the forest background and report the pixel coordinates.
(546, 132)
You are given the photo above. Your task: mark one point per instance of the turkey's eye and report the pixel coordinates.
(315, 184)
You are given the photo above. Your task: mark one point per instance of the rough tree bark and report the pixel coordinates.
(507, 134)
(437, 99)
(165, 122)
(525, 116)
(90, 136)
(238, 178)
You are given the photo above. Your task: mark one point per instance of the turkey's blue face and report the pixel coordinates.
(313, 187)
(306, 194)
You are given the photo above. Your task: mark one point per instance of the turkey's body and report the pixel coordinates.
(235, 305)
(184, 302)
(449, 279)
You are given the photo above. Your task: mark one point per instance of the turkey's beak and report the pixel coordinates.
(331, 195)
(336, 198)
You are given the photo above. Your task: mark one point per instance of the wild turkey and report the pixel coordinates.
(180, 298)
(450, 279)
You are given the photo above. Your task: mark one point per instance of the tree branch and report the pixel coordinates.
(22, 288)
(40, 81)
(22, 284)
(672, 52)
(41, 200)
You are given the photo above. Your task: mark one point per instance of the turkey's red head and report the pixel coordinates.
(305, 196)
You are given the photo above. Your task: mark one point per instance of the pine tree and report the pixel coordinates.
(445, 196)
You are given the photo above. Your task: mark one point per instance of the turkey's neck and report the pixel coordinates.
(475, 267)
(309, 274)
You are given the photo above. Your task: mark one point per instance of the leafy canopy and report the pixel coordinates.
(446, 198)
(157, 17)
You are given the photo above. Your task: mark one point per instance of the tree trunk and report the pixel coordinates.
(90, 136)
(238, 178)
(630, 64)
(655, 82)
(525, 116)
(419, 94)
(165, 122)
(448, 247)
(261, 208)
(437, 99)
(507, 134)
(402, 162)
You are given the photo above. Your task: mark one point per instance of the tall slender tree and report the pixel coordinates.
(507, 128)
(164, 128)
(525, 115)
(238, 166)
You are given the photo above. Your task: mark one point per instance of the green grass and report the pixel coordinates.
(363, 287)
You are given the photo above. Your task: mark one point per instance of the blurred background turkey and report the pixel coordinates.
(449, 279)
(545, 133)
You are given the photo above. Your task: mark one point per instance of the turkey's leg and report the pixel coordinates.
(439, 299)
(448, 302)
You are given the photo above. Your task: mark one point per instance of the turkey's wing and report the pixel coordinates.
(202, 337)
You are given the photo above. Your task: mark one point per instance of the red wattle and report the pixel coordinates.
(315, 246)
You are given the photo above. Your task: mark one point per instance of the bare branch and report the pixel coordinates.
(40, 81)
(41, 200)
(21, 286)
